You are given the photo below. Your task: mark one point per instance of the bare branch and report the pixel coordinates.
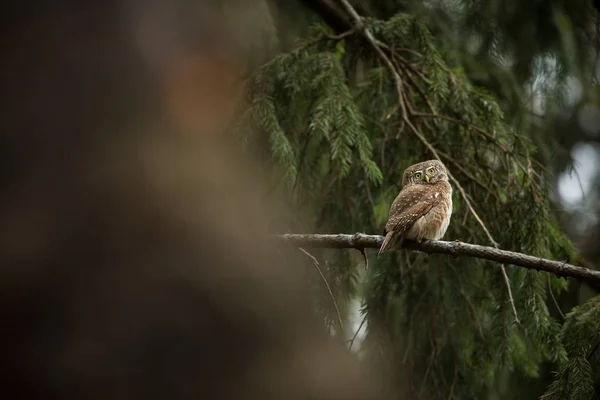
(455, 248)
(331, 14)
(318, 267)
(359, 24)
(356, 333)
(555, 301)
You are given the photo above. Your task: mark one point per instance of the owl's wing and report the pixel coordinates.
(411, 204)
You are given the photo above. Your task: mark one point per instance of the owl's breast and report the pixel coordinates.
(434, 224)
(446, 215)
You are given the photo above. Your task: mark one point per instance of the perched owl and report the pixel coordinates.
(423, 207)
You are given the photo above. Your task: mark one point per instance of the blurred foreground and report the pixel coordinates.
(131, 245)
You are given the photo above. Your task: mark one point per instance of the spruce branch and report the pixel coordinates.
(377, 47)
(454, 248)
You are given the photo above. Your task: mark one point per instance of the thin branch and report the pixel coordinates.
(358, 20)
(431, 358)
(322, 36)
(589, 356)
(454, 379)
(486, 135)
(510, 295)
(318, 267)
(356, 333)
(331, 14)
(455, 248)
(470, 304)
(554, 300)
(478, 182)
(364, 253)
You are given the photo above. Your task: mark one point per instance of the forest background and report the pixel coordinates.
(345, 95)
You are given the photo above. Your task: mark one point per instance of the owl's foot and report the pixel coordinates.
(421, 241)
(456, 242)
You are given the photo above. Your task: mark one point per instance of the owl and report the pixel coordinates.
(423, 207)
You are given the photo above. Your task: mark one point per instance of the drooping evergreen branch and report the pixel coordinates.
(456, 248)
(398, 82)
(338, 105)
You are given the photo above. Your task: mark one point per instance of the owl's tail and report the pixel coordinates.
(387, 244)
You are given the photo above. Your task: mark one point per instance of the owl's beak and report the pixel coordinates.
(426, 178)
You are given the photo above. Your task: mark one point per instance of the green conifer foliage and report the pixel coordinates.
(339, 141)
(581, 334)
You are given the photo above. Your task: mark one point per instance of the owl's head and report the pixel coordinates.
(425, 173)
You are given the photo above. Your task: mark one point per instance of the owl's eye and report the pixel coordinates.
(431, 171)
(418, 175)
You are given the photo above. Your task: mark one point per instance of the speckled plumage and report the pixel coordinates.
(422, 209)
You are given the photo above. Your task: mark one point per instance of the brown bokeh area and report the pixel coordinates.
(134, 252)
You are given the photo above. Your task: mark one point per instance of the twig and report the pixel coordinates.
(356, 333)
(370, 197)
(554, 300)
(307, 44)
(318, 267)
(486, 135)
(589, 356)
(434, 353)
(431, 358)
(477, 129)
(468, 174)
(470, 304)
(455, 248)
(510, 296)
(451, 395)
(364, 253)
